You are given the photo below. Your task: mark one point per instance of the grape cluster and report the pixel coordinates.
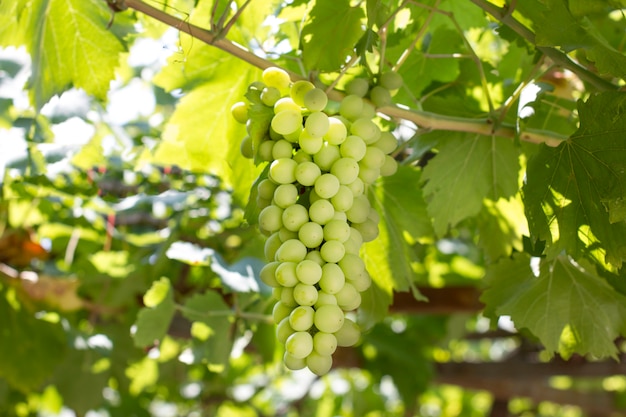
(314, 207)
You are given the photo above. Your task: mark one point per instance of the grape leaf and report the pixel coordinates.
(579, 184)
(322, 49)
(70, 45)
(467, 169)
(567, 306)
(154, 320)
(214, 346)
(30, 348)
(501, 225)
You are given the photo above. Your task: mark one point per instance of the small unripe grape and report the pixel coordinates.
(299, 90)
(285, 234)
(348, 334)
(239, 111)
(310, 144)
(294, 136)
(286, 122)
(380, 96)
(324, 343)
(332, 251)
(336, 230)
(283, 171)
(293, 217)
(268, 276)
(321, 211)
(361, 281)
(391, 80)
(342, 201)
(353, 147)
(286, 274)
(246, 147)
(316, 257)
(368, 174)
(270, 218)
(390, 166)
(319, 364)
(282, 149)
(337, 131)
(311, 234)
(266, 189)
(357, 187)
(284, 330)
(271, 246)
(286, 297)
(369, 110)
(374, 157)
(285, 195)
(366, 130)
(305, 295)
(308, 272)
(269, 96)
(280, 311)
(291, 251)
(387, 142)
(307, 173)
(300, 156)
(360, 209)
(351, 265)
(276, 77)
(351, 107)
(348, 298)
(324, 298)
(299, 344)
(358, 87)
(333, 279)
(315, 99)
(317, 124)
(284, 104)
(292, 363)
(326, 156)
(327, 185)
(301, 318)
(265, 150)
(368, 229)
(328, 318)
(346, 170)
(340, 215)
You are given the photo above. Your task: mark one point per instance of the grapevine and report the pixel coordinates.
(313, 206)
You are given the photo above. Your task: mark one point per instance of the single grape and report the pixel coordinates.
(319, 364)
(282, 149)
(316, 257)
(283, 171)
(353, 147)
(387, 142)
(308, 272)
(285, 234)
(286, 274)
(291, 251)
(366, 129)
(284, 330)
(326, 156)
(299, 344)
(328, 318)
(324, 298)
(361, 281)
(286, 195)
(337, 131)
(333, 279)
(266, 189)
(380, 96)
(315, 99)
(276, 77)
(246, 147)
(239, 111)
(265, 150)
(332, 251)
(280, 311)
(268, 272)
(348, 298)
(321, 211)
(359, 210)
(327, 185)
(293, 217)
(390, 166)
(301, 318)
(346, 170)
(299, 90)
(374, 158)
(269, 96)
(286, 122)
(305, 295)
(284, 104)
(307, 173)
(391, 80)
(351, 265)
(292, 363)
(336, 230)
(342, 201)
(348, 334)
(358, 87)
(368, 174)
(317, 124)
(311, 234)
(351, 107)
(324, 343)
(310, 144)
(368, 229)
(286, 297)
(271, 246)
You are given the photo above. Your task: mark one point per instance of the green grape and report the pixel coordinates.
(368, 175)
(326, 156)
(348, 334)
(346, 170)
(351, 265)
(391, 80)
(282, 149)
(316, 257)
(269, 96)
(271, 246)
(280, 311)
(293, 217)
(359, 210)
(246, 147)
(277, 293)
(333, 279)
(284, 104)
(369, 110)
(266, 189)
(239, 111)
(292, 363)
(336, 230)
(265, 150)
(390, 166)
(315, 99)
(286, 122)
(301, 318)
(380, 96)
(270, 218)
(357, 187)
(307, 173)
(328, 318)
(337, 131)
(339, 215)
(351, 107)
(286, 297)
(355, 236)
(308, 272)
(310, 144)
(358, 87)
(284, 330)
(324, 343)
(366, 130)
(300, 156)
(342, 201)
(374, 158)
(324, 298)
(299, 89)
(299, 344)
(319, 364)
(285, 234)
(353, 147)
(274, 135)
(361, 281)
(332, 251)
(317, 124)
(311, 234)
(387, 142)
(351, 247)
(283, 171)
(268, 276)
(286, 195)
(294, 136)
(368, 229)
(291, 250)
(321, 211)
(305, 295)
(348, 298)
(327, 185)
(286, 274)
(276, 77)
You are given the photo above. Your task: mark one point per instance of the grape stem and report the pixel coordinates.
(422, 119)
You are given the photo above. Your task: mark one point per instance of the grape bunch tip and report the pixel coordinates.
(314, 206)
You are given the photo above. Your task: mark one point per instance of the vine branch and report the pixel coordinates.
(422, 119)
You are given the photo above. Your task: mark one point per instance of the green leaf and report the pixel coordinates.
(568, 306)
(214, 341)
(154, 320)
(30, 348)
(467, 169)
(403, 222)
(501, 226)
(572, 189)
(322, 49)
(70, 45)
